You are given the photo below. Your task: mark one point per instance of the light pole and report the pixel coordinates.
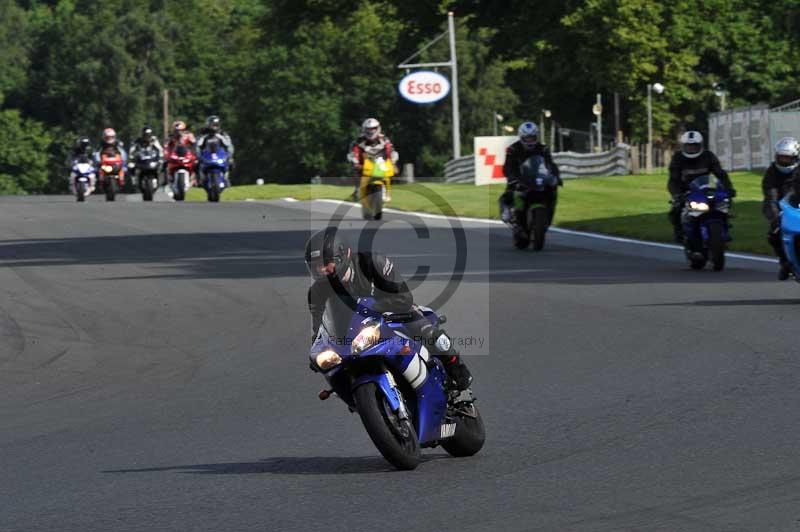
(719, 90)
(658, 88)
(597, 110)
(543, 125)
(497, 118)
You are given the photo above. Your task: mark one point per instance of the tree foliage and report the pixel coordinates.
(293, 80)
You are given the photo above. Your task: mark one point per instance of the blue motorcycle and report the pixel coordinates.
(705, 223)
(399, 390)
(83, 174)
(790, 229)
(213, 168)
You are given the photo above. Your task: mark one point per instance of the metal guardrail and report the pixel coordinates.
(572, 165)
(461, 170)
(577, 165)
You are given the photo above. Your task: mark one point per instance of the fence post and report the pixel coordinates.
(635, 169)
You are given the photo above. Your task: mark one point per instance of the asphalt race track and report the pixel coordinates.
(153, 377)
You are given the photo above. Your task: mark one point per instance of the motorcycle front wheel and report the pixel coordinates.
(111, 189)
(147, 191)
(540, 223)
(395, 438)
(716, 246)
(81, 191)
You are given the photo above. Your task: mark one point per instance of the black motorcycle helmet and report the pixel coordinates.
(83, 144)
(213, 123)
(147, 133)
(327, 254)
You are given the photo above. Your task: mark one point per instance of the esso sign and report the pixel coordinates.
(424, 87)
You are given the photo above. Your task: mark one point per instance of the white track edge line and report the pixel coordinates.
(571, 232)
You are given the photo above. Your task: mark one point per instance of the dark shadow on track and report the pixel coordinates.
(284, 465)
(731, 303)
(266, 254)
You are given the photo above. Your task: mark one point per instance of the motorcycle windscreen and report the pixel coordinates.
(704, 182)
(378, 168)
(338, 315)
(532, 169)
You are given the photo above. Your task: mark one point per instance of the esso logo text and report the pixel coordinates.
(424, 87)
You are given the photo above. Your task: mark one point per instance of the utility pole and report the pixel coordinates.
(617, 127)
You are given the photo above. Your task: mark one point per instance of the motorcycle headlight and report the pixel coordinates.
(328, 359)
(698, 206)
(107, 169)
(365, 339)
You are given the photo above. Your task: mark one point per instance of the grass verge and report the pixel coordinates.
(632, 206)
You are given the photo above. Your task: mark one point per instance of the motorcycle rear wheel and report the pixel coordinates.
(400, 450)
(469, 437)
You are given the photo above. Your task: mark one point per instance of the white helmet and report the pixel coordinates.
(787, 155)
(692, 144)
(528, 134)
(371, 128)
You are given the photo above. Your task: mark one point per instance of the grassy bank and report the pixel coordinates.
(632, 206)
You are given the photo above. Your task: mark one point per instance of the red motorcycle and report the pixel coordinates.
(181, 165)
(112, 174)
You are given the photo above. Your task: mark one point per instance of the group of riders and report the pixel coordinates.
(336, 268)
(180, 141)
(690, 162)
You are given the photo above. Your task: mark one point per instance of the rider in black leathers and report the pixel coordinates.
(691, 162)
(339, 272)
(781, 178)
(528, 146)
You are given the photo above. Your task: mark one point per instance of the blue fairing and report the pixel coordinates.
(411, 366)
(790, 228)
(707, 190)
(214, 164)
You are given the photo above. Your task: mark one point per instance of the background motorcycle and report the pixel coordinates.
(146, 164)
(213, 166)
(534, 203)
(82, 174)
(375, 176)
(705, 223)
(111, 174)
(180, 166)
(375, 366)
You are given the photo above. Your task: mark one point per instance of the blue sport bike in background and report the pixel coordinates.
(399, 390)
(705, 223)
(213, 168)
(790, 232)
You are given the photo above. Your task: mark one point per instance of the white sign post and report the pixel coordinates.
(453, 66)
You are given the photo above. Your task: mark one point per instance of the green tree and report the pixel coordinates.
(24, 145)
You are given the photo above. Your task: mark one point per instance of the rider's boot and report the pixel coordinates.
(784, 270)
